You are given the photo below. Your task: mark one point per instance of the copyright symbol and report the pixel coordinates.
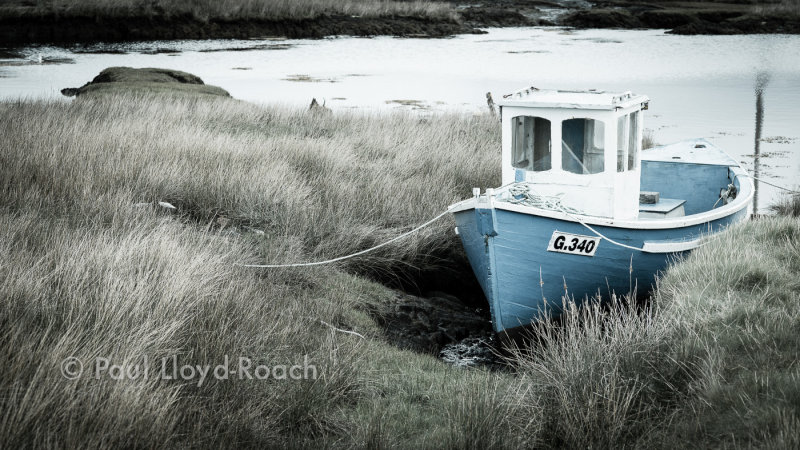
(71, 368)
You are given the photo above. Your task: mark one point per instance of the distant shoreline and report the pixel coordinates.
(20, 26)
(89, 29)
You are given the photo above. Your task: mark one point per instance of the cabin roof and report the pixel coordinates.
(586, 99)
(696, 151)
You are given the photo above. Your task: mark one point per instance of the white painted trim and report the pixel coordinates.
(670, 247)
(742, 201)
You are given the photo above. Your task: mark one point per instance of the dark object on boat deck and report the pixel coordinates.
(648, 198)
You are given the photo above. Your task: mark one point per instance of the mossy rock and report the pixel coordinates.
(146, 81)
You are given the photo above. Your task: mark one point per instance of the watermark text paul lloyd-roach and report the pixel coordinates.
(170, 368)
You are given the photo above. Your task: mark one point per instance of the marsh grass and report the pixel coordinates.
(789, 205)
(90, 273)
(648, 139)
(737, 304)
(230, 9)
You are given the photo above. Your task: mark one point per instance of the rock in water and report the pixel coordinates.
(147, 80)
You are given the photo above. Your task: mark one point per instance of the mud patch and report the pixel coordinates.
(779, 140)
(599, 40)
(304, 78)
(413, 104)
(35, 62)
(159, 51)
(525, 52)
(98, 51)
(428, 324)
(250, 48)
(7, 53)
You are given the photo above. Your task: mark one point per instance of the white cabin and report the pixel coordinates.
(596, 169)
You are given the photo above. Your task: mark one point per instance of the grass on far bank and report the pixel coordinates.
(89, 273)
(229, 9)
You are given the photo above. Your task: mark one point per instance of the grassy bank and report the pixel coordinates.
(692, 17)
(94, 269)
(228, 9)
(75, 21)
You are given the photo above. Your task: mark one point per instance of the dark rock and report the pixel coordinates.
(147, 75)
(124, 79)
(494, 17)
(70, 92)
(665, 19)
(602, 18)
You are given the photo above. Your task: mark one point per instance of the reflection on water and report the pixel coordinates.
(761, 83)
(700, 86)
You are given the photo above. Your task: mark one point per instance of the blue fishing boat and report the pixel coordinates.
(592, 215)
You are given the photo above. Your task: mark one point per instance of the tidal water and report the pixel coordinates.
(740, 92)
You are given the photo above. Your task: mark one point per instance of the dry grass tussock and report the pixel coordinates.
(233, 9)
(87, 273)
(787, 206)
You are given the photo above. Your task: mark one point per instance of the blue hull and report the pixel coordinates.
(523, 281)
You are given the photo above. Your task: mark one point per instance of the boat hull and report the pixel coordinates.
(524, 282)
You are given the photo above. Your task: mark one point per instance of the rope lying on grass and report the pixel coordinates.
(328, 261)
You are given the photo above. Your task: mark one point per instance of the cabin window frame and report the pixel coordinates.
(590, 134)
(531, 143)
(623, 142)
(634, 140)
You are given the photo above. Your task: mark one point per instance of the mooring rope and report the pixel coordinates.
(328, 261)
(773, 185)
(521, 194)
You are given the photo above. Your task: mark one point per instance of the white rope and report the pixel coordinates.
(328, 261)
(601, 235)
(522, 195)
(773, 185)
(549, 202)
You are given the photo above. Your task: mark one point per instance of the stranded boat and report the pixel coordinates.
(595, 215)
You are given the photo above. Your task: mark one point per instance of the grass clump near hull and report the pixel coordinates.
(788, 206)
(116, 80)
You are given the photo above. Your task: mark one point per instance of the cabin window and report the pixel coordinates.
(622, 143)
(634, 141)
(530, 143)
(582, 146)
